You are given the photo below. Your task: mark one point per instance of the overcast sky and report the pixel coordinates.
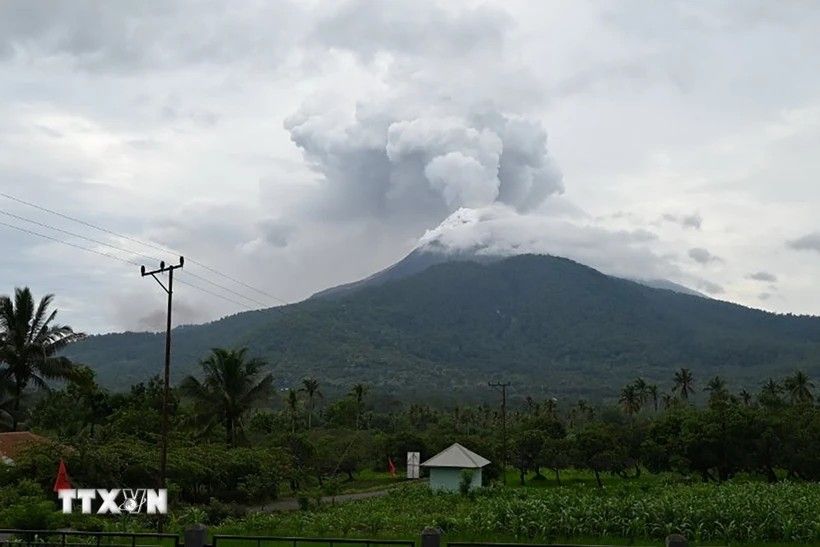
(295, 146)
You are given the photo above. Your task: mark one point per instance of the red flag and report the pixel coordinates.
(62, 482)
(391, 467)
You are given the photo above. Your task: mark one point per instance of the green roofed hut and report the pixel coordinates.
(446, 468)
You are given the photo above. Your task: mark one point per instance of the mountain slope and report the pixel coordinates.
(548, 324)
(422, 258)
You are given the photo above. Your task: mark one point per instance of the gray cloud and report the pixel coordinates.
(187, 310)
(121, 36)
(702, 256)
(368, 28)
(763, 276)
(277, 233)
(710, 287)
(808, 242)
(693, 220)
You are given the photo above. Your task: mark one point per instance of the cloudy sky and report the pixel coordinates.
(294, 146)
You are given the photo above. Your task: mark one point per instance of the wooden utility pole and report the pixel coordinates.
(503, 387)
(166, 391)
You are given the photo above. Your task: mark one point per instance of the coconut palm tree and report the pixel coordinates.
(652, 391)
(6, 404)
(233, 386)
(668, 399)
(29, 343)
(630, 399)
(716, 387)
(293, 408)
(310, 386)
(684, 383)
(551, 407)
(358, 392)
(745, 397)
(770, 393)
(641, 389)
(799, 388)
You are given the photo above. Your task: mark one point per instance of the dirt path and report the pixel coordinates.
(292, 504)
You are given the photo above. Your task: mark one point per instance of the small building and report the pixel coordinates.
(446, 468)
(13, 443)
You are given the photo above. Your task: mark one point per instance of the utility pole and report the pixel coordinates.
(503, 387)
(166, 392)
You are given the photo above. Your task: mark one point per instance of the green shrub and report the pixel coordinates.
(465, 483)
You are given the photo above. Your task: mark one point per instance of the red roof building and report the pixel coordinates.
(15, 442)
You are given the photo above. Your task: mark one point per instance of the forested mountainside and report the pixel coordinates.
(549, 325)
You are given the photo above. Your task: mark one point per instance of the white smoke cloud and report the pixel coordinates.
(462, 180)
(387, 163)
(500, 230)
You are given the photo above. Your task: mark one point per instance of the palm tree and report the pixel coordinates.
(293, 408)
(746, 397)
(311, 387)
(684, 383)
(770, 394)
(29, 343)
(717, 389)
(6, 404)
(652, 390)
(799, 387)
(630, 399)
(551, 406)
(531, 405)
(668, 399)
(232, 387)
(358, 392)
(641, 389)
(583, 410)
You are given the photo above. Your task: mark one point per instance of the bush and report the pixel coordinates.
(466, 482)
(25, 507)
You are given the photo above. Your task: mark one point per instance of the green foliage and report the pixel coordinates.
(29, 346)
(465, 482)
(233, 386)
(24, 507)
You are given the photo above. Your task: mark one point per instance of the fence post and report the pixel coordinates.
(431, 537)
(196, 536)
(674, 540)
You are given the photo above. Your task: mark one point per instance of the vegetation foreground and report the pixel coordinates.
(688, 457)
(705, 513)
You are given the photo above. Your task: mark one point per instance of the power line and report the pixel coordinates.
(118, 258)
(206, 291)
(129, 251)
(226, 276)
(84, 223)
(140, 242)
(89, 239)
(224, 288)
(95, 251)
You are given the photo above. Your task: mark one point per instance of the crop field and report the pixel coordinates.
(640, 513)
